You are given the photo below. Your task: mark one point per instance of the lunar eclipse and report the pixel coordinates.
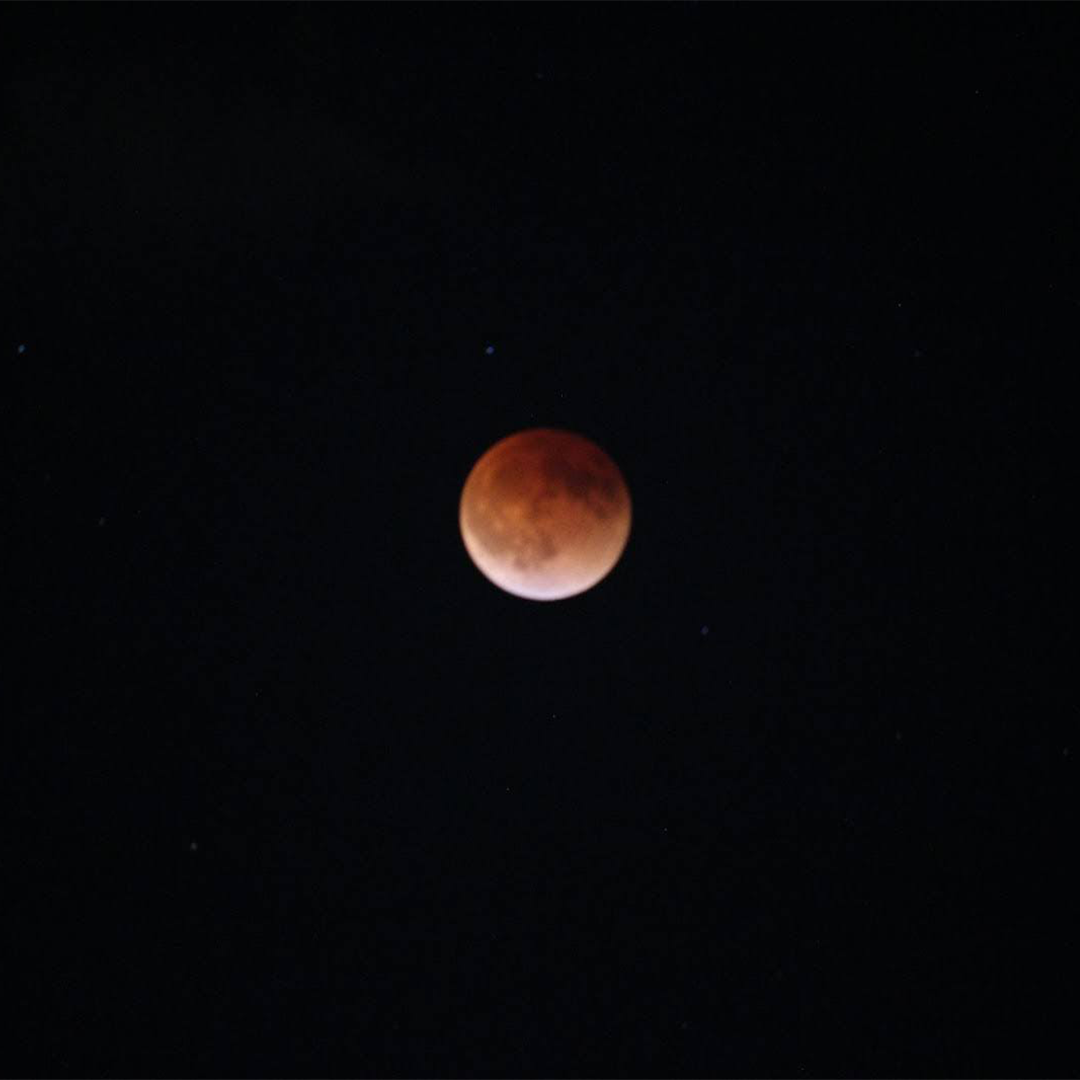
(545, 514)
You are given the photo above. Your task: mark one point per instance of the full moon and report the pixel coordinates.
(545, 514)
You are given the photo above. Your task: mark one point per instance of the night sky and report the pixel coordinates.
(296, 791)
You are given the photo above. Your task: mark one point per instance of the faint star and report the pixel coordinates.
(490, 350)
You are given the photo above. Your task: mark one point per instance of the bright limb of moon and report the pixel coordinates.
(545, 514)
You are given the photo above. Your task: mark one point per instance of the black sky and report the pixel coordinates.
(298, 792)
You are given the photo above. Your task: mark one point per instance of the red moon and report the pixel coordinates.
(545, 514)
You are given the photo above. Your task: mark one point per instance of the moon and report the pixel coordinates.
(545, 514)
